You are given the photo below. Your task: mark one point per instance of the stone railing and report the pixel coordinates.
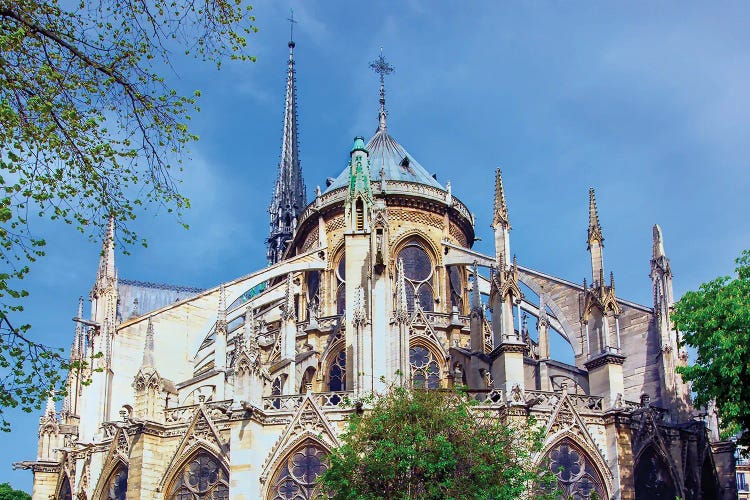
(290, 403)
(548, 399)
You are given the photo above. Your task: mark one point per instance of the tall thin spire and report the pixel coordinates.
(148, 348)
(382, 68)
(658, 242)
(595, 229)
(289, 198)
(107, 258)
(501, 208)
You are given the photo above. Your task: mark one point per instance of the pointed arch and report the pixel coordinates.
(653, 476)
(426, 364)
(115, 486)
(201, 474)
(334, 366)
(420, 270)
(576, 472)
(65, 492)
(295, 475)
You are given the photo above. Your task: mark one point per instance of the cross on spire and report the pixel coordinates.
(382, 68)
(292, 22)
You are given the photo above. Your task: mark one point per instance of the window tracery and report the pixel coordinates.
(202, 477)
(297, 475)
(337, 372)
(117, 485)
(418, 274)
(425, 369)
(577, 478)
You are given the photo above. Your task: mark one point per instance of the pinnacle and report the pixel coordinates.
(595, 229)
(501, 208)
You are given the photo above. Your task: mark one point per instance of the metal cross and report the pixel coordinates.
(292, 22)
(381, 67)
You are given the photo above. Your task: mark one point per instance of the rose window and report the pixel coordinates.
(425, 370)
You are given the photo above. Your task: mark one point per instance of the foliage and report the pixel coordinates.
(716, 322)
(90, 129)
(8, 493)
(419, 444)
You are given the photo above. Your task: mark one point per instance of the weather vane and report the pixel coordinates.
(292, 22)
(381, 67)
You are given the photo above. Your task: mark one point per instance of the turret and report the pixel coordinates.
(359, 201)
(289, 197)
(600, 318)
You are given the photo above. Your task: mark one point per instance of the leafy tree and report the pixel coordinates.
(716, 322)
(91, 129)
(8, 493)
(418, 444)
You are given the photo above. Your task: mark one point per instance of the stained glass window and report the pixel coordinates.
(203, 477)
(418, 274)
(425, 370)
(337, 372)
(297, 476)
(65, 492)
(117, 485)
(577, 478)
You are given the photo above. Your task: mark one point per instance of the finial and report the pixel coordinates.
(50, 409)
(292, 22)
(76, 349)
(501, 209)
(612, 280)
(382, 68)
(658, 242)
(595, 229)
(476, 300)
(148, 350)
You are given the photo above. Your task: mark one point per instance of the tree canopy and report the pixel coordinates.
(90, 128)
(420, 444)
(715, 320)
(8, 493)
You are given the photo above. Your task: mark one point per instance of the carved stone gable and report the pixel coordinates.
(308, 422)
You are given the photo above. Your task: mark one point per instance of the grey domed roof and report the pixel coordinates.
(387, 155)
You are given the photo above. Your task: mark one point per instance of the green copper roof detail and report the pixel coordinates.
(359, 144)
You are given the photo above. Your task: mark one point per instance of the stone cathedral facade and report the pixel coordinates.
(240, 391)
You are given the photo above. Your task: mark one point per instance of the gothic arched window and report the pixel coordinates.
(652, 478)
(337, 372)
(341, 286)
(117, 484)
(276, 392)
(65, 490)
(201, 477)
(418, 271)
(577, 478)
(298, 473)
(425, 370)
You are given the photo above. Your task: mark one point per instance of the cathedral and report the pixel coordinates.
(241, 390)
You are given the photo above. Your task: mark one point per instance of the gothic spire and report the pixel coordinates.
(658, 242)
(148, 348)
(595, 229)
(501, 208)
(77, 348)
(289, 199)
(106, 270)
(382, 68)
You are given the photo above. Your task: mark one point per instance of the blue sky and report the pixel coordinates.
(646, 102)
